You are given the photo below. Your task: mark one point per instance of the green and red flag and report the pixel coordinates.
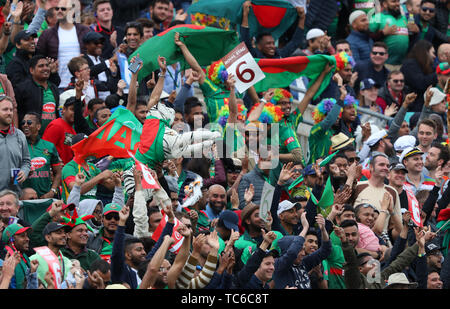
(282, 72)
(120, 134)
(206, 44)
(273, 16)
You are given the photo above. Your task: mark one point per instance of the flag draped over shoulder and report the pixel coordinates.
(116, 137)
(206, 44)
(273, 16)
(282, 72)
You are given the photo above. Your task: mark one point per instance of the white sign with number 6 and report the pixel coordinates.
(243, 66)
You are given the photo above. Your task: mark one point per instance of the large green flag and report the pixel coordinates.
(120, 134)
(206, 44)
(273, 16)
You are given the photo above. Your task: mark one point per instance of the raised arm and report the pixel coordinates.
(190, 59)
(132, 92)
(156, 93)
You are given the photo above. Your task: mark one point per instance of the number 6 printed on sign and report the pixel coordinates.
(241, 63)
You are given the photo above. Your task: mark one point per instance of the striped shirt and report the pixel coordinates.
(186, 278)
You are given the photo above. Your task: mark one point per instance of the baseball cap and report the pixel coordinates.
(285, 205)
(229, 219)
(24, 35)
(376, 137)
(398, 167)
(71, 207)
(368, 83)
(430, 247)
(52, 227)
(12, 230)
(355, 15)
(92, 36)
(308, 170)
(111, 207)
(314, 33)
(410, 151)
(443, 68)
(404, 142)
(438, 96)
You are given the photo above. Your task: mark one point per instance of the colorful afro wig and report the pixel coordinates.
(217, 73)
(350, 100)
(322, 109)
(224, 112)
(280, 93)
(342, 59)
(270, 114)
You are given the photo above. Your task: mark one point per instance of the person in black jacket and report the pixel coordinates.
(38, 94)
(103, 71)
(18, 69)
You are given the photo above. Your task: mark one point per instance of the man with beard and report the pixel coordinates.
(13, 148)
(393, 28)
(103, 241)
(217, 201)
(437, 157)
(424, 22)
(127, 254)
(55, 235)
(378, 142)
(63, 41)
(371, 191)
(47, 171)
(359, 39)
(38, 94)
(158, 13)
(18, 69)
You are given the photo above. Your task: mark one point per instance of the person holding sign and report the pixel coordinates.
(50, 258)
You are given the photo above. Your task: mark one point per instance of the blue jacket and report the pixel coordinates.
(120, 271)
(361, 45)
(288, 274)
(246, 278)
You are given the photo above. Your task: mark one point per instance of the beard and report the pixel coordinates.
(394, 13)
(217, 207)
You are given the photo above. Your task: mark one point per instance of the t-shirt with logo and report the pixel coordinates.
(70, 170)
(398, 42)
(48, 108)
(44, 157)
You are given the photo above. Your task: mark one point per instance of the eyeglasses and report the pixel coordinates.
(398, 81)
(424, 8)
(111, 216)
(62, 9)
(378, 53)
(28, 122)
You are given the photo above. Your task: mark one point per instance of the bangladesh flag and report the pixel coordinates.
(116, 137)
(282, 72)
(273, 16)
(206, 44)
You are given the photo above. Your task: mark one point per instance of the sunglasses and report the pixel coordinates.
(351, 160)
(398, 81)
(431, 10)
(111, 216)
(62, 9)
(28, 122)
(378, 53)
(235, 171)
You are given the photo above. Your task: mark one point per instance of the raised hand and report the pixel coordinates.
(286, 173)
(177, 39)
(249, 193)
(162, 64)
(410, 97)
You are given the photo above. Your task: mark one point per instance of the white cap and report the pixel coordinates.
(284, 205)
(438, 96)
(355, 15)
(376, 137)
(404, 142)
(409, 151)
(314, 33)
(164, 95)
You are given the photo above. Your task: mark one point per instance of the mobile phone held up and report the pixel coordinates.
(136, 65)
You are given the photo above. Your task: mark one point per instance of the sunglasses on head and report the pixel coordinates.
(112, 215)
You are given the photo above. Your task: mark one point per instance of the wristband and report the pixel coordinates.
(263, 100)
(385, 211)
(421, 254)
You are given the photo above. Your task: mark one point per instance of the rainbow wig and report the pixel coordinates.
(350, 100)
(322, 109)
(224, 112)
(342, 59)
(280, 93)
(270, 114)
(217, 73)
